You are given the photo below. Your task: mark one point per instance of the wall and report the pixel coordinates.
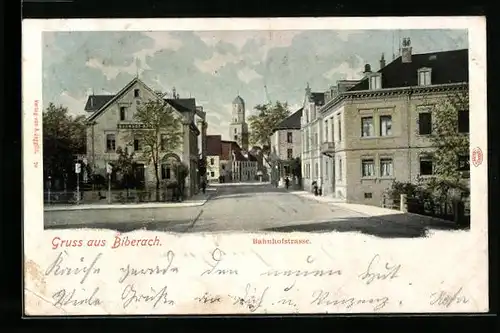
(215, 168)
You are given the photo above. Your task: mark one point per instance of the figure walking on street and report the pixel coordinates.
(287, 182)
(203, 186)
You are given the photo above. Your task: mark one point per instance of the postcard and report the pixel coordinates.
(255, 166)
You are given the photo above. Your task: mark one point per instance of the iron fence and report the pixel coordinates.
(112, 197)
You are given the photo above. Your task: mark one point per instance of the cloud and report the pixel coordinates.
(345, 71)
(247, 74)
(75, 105)
(216, 62)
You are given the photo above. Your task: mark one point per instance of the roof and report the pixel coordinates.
(182, 104)
(239, 100)
(447, 67)
(214, 146)
(290, 122)
(95, 102)
(234, 148)
(318, 98)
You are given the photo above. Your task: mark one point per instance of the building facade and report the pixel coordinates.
(238, 128)
(286, 142)
(378, 131)
(110, 123)
(227, 162)
(311, 131)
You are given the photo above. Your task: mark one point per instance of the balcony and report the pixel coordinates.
(328, 148)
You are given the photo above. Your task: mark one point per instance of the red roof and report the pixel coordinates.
(214, 146)
(231, 146)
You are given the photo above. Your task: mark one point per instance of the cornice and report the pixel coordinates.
(382, 93)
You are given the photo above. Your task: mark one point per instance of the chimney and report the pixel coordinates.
(382, 61)
(173, 93)
(368, 69)
(406, 51)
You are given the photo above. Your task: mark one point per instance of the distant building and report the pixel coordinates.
(111, 118)
(286, 142)
(227, 162)
(238, 128)
(363, 139)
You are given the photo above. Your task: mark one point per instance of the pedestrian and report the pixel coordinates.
(287, 182)
(203, 186)
(315, 187)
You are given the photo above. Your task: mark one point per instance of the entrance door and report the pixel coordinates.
(139, 175)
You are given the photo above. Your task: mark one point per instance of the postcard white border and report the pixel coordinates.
(32, 93)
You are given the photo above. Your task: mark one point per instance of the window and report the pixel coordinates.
(316, 139)
(385, 125)
(424, 77)
(137, 144)
(123, 113)
(463, 121)
(424, 123)
(366, 126)
(289, 137)
(463, 163)
(235, 131)
(165, 171)
(110, 142)
(316, 170)
(163, 142)
(326, 130)
(235, 137)
(212, 174)
(333, 129)
(386, 167)
(426, 166)
(368, 195)
(289, 153)
(375, 82)
(212, 161)
(340, 169)
(326, 170)
(368, 168)
(137, 93)
(339, 130)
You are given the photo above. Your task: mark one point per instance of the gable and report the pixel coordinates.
(127, 99)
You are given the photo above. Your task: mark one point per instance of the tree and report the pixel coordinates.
(64, 136)
(264, 122)
(160, 133)
(125, 165)
(452, 147)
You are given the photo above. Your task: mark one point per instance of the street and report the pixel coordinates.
(237, 208)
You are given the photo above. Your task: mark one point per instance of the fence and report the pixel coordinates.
(114, 196)
(457, 211)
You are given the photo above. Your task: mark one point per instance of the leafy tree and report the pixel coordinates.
(64, 136)
(263, 123)
(449, 142)
(125, 165)
(161, 133)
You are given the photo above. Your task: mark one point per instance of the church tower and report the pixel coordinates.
(238, 128)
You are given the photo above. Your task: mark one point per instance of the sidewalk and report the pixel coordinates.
(196, 200)
(239, 184)
(381, 213)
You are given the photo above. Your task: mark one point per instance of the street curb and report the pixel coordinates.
(125, 206)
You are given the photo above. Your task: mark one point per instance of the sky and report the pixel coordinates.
(216, 66)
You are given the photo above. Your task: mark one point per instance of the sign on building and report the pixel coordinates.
(78, 168)
(109, 168)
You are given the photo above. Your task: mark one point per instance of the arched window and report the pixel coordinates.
(167, 163)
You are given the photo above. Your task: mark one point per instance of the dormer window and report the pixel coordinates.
(137, 93)
(424, 76)
(375, 81)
